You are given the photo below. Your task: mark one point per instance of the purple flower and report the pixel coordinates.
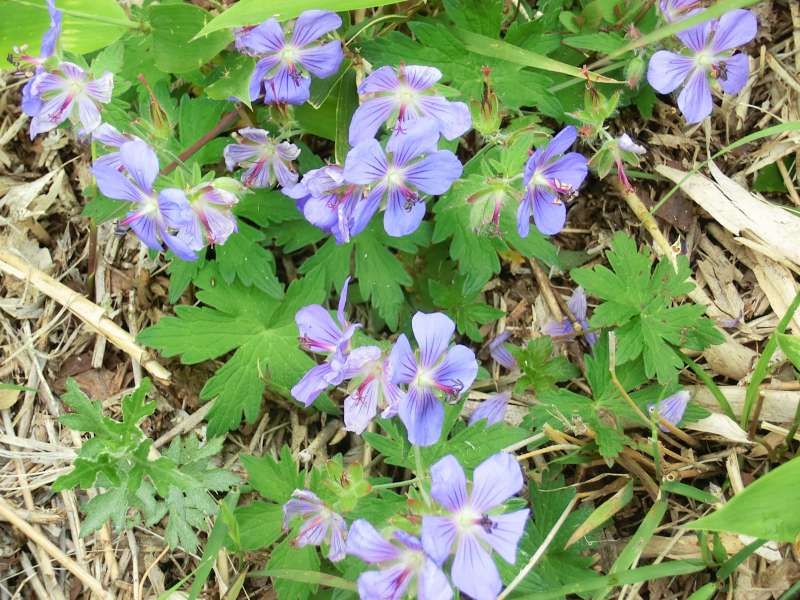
(320, 334)
(711, 44)
(65, 93)
(279, 74)
(160, 218)
(264, 159)
(32, 104)
(320, 523)
(492, 410)
(579, 308)
(404, 566)
(108, 135)
(50, 37)
(374, 390)
(671, 408)
(329, 202)
(435, 370)
(626, 144)
(551, 177)
(471, 523)
(212, 204)
(412, 168)
(403, 94)
(499, 352)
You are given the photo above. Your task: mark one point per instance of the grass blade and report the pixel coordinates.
(250, 12)
(671, 568)
(486, 46)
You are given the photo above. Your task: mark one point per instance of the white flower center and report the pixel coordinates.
(405, 95)
(394, 177)
(705, 59)
(466, 519)
(289, 54)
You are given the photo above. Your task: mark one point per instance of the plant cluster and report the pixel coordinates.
(221, 142)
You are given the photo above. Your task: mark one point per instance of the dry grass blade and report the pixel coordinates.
(83, 308)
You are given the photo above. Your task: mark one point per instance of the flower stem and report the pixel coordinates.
(226, 121)
(420, 470)
(395, 484)
(709, 383)
(761, 369)
(127, 23)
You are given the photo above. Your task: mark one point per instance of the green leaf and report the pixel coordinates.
(601, 41)
(274, 479)
(260, 524)
(560, 564)
(261, 331)
(101, 209)
(760, 510)
(174, 29)
(790, 345)
(639, 303)
(108, 505)
(196, 117)
(250, 12)
(87, 25)
(232, 79)
(346, 105)
(244, 258)
(486, 46)
(465, 306)
(540, 369)
(380, 274)
(479, 16)
(285, 557)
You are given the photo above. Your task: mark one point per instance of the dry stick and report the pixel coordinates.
(150, 568)
(537, 556)
(83, 308)
(48, 574)
(226, 121)
(10, 515)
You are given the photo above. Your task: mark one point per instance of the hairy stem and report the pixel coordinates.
(223, 124)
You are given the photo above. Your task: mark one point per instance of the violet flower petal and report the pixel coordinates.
(495, 480)
(449, 484)
(667, 70)
(695, 100)
(423, 415)
(433, 332)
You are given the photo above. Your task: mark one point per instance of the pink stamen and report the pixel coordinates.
(57, 116)
(248, 181)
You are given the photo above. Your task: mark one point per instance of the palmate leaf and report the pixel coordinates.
(381, 273)
(558, 566)
(258, 328)
(638, 301)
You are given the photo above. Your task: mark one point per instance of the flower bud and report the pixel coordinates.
(634, 71)
(486, 117)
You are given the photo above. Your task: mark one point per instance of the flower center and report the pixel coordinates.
(395, 177)
(288, 54)
(405, 95)
(705, 59)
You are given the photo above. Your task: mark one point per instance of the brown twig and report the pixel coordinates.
(228, 119)
(10, 515)
(83, 308)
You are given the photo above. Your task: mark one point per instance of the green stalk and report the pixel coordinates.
(709, 383)
(420, 469)
(762, 366)
(394, 484)
(127, 23)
